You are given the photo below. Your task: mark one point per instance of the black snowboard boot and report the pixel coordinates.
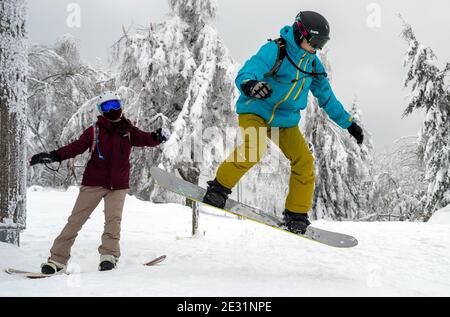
(216, 195)
(295, 222)
(107, 263)
(52, 268)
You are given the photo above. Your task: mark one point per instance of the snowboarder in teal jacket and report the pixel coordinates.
(274, 87)
(289, 86)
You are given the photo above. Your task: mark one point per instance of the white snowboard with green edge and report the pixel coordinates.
(196, 193)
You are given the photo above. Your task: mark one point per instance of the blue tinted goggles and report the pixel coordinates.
(110, 105)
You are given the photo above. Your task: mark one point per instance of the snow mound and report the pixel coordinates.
(441, 217)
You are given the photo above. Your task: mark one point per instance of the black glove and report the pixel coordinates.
(45, 158)
(257, 89)
(356, 131)
(161, 135)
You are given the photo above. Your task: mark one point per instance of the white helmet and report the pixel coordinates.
(107, 96)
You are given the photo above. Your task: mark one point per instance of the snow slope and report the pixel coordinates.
(233, 258)
(441, 217)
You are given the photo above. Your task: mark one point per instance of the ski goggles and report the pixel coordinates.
(316, 42)
(110, 105)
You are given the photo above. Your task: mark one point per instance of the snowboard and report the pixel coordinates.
(32, 275)
(156, 261)
(37, 276)
(193, 192)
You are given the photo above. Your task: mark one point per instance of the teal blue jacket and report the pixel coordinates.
(290, 86)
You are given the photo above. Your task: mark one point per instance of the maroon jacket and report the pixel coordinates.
(115, 142)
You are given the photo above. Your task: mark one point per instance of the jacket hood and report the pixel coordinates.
(288, 34)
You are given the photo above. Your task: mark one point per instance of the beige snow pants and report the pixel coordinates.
(88, 199)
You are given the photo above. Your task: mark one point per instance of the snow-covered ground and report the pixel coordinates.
(232, 258)
(441, 216)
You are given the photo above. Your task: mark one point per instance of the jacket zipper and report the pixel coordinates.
(304, 79)
(110, 163)
(289, 93)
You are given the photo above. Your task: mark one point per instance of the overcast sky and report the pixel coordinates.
(366, 61)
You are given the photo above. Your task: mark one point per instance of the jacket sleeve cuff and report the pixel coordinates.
(56, 156)
(155, 141)
(60, 154)
(244, 79)
(348, 123)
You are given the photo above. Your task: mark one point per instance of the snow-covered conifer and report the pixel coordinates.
(430, 92)
(399, 186)
(181, 76)
(341, 165)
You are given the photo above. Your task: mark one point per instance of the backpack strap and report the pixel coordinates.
(95, 140)
(282, 53)
(314, 66)
(94, 136)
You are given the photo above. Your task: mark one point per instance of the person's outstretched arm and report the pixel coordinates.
(146, 139)
(78, 147)
(68, 152)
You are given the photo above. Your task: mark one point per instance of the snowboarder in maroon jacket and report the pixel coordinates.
(106, 177)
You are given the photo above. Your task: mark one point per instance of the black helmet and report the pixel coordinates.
(313, 27)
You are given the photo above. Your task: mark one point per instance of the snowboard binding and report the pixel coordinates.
(216, 194)
(52, 268)
(295, 222)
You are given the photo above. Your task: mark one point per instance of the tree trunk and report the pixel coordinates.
(192, 175)
(13, 69)
(195, 217)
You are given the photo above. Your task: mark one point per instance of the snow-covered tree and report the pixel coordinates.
(59, 83)
(431, 93)
(341, 165)
(13, 91)
(181, 76)
(399, 186)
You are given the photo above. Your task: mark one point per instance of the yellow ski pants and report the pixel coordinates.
(255, 132)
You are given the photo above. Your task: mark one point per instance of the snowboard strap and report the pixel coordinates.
(53, 169)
